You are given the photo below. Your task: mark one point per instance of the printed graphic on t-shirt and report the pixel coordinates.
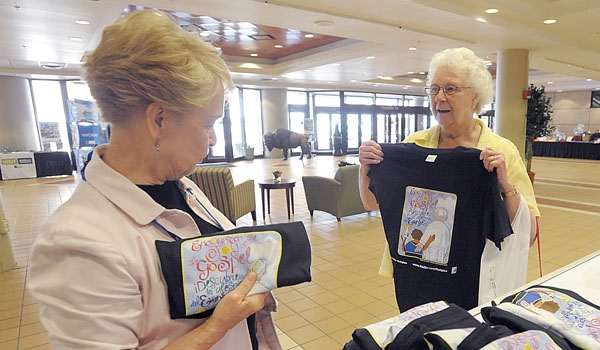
(572, 318)
(214, 266)
(426, 225)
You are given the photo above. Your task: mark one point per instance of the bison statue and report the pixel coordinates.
(287, 140)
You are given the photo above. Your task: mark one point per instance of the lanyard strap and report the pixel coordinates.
(189, 190)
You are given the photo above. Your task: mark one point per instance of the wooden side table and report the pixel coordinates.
(268, 185)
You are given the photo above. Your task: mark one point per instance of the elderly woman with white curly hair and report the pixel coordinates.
(458, 86)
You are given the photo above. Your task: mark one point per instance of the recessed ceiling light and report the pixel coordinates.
(481, 19)
(74, 38)
(309, 35)
(550, 82)
(588, 79)
(81, 21)
(253, 54)
(491, 10)
(278, 46)
(412, 49)
(370, 57)
(549, 21)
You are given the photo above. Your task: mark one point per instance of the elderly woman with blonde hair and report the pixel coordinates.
(94, 268)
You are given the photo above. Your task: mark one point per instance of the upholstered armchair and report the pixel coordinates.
(232, 200)
(338, 196)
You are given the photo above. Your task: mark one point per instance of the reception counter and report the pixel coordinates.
(580, 150)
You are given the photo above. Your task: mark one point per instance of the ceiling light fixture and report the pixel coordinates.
(309, 36)
(549, 21)
(412, 49)
(370, 57)
(82, 22)
(52, 65)
(74, 38)
(253, 55)
(491, 10)
(481, 19)
(323, 23)
(278, 46)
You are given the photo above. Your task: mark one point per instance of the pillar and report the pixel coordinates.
(275, 115)
(7, 257)
(18, 127)
(512, 78)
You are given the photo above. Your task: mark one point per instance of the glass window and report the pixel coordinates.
(327, 99)
(357, 98)
(352, 120)
(50, 113)
(297, 98)
(324, 131)
(235, 116)
(389, 100)
(365, 128)
(253, 119)
(297, 122)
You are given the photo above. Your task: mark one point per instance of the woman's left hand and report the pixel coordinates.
(493, 159)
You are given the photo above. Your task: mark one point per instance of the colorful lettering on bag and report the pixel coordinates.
(214, 266)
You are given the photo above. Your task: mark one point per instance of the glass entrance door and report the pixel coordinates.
(325, 123)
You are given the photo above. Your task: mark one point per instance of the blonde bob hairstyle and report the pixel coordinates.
(145, 57)
(466, 65)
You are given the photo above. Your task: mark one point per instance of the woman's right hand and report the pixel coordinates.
(370, 153)
(234, 308)
(237, 305)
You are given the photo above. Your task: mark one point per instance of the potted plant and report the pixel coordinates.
(248, 151)
(539, 118)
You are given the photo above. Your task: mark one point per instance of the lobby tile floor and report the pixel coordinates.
(346, 291)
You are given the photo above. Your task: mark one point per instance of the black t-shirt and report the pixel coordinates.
(438, 206)
(169, 196)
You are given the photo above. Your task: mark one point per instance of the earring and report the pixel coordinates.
(156, 145)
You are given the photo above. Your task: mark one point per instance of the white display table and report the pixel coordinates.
(17, 165)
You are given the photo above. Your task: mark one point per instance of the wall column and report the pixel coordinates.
(275, 115)
(18, 128)
(512, 78)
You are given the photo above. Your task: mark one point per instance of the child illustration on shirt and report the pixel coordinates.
(415, 247)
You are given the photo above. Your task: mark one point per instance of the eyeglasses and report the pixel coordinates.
(448, 90)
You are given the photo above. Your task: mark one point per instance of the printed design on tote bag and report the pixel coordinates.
(426, 225)
(214, 266)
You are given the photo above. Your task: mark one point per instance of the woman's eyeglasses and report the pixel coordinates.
(448, 90)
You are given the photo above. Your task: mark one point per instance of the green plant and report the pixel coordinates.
(539, 119)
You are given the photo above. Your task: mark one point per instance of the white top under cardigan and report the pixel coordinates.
(95, 270)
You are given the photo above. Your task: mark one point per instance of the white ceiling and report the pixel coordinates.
(567, 53)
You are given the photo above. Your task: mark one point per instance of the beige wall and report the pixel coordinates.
(572, 108)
